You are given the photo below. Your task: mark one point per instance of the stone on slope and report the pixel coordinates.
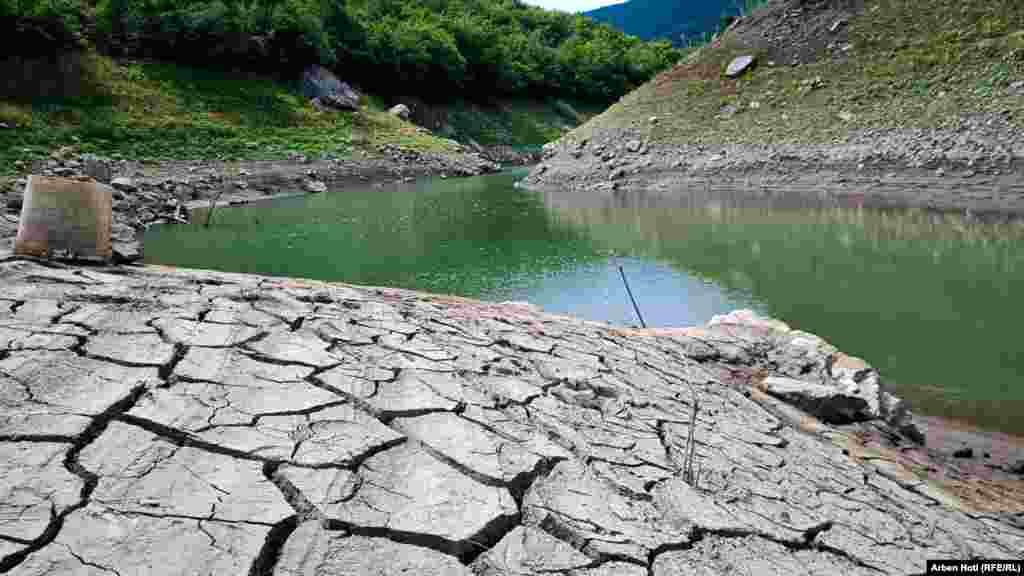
(314, 186)
(830, 404)
(407, 490)
(400, 110)
(313, 551)
(321, 85)
(739, 65)
(124, 184)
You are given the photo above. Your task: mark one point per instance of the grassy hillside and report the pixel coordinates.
(144, 110)
(895, 64)
(151, 110)
(87, 73)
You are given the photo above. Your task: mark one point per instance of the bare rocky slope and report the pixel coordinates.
(165, 421)
(894, 103)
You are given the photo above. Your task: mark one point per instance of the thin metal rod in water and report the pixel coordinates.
(630, 292)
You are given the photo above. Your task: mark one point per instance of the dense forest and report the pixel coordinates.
(680, 21)
(456, 47)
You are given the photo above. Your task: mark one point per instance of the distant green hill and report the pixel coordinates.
(678, 21)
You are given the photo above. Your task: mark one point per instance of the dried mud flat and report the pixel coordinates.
(165, 421)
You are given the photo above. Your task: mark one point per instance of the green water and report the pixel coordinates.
(930, 300)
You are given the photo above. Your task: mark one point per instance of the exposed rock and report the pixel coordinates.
(185, 422)
(825, 402)
(314, 186)
(325, 89)
(964, 453)
(99, 168)
(739, 65)
(400, 110)
(124, 184)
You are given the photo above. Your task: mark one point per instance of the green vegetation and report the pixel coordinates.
(911, 64)
(158, 111)
(88, 73)
(515, 122)
(461, 47)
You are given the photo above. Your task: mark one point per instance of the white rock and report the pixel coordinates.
(739, 65)
(314, 186)
(124, 184)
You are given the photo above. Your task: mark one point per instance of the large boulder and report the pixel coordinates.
(739, 65)
(400, 110)
(808, 372)
(326, 91)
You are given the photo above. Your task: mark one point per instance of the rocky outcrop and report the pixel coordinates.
(162, 421)
(325, 90)
(975, 166)
(400, 110)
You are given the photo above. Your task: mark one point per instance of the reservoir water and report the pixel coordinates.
(931, 300)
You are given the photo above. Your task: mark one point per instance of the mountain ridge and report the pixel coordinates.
(674, 20)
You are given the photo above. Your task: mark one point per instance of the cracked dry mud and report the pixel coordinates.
(160, 421)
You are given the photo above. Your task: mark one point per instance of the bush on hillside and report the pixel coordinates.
(33, 27)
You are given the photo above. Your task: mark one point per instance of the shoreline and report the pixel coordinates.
(163, 183)
(167, 191)
(983, 179)
(665, 439)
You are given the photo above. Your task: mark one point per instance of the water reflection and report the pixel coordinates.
(929, 298)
